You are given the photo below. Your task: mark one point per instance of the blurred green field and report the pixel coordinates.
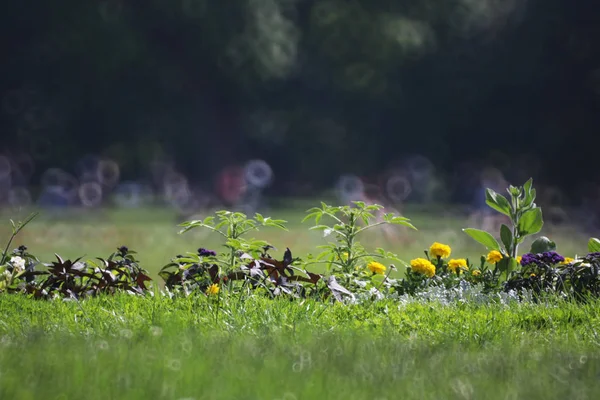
(153, 233)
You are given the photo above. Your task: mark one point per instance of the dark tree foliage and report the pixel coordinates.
(311, 86)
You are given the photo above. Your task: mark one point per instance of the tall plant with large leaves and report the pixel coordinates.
(525, 220)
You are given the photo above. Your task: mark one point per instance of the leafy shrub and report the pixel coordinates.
(70, 279)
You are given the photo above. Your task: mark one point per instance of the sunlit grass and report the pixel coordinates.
(125, 347)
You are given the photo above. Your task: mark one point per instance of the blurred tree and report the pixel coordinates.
(317, 88)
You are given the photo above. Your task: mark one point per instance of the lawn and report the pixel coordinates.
(127, 347)
(253, 347)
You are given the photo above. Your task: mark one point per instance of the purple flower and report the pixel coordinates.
(205, 253)
(592, 257)
(552, 257)
(548, 257)
(529, 258)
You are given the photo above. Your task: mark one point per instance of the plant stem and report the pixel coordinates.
(16, 231)
(515, 221)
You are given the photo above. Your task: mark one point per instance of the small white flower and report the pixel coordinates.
(18, 263)
(376, 293)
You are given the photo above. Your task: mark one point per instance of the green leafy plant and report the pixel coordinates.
(16, 228)
(525, 220)
(18, 271)
(247, 265)
(120, 272)
(349, 264)
(580, 279)
(346, 251)
(233, 226)
(17, 267)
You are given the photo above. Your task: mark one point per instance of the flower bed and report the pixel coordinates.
(352, 272)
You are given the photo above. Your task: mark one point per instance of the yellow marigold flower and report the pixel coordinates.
(457, 266)
(423, 266)
(213, 289)
(568, 260)
(440, 250)
(494, 256)
(476, 272)
(519, 259)
(376, 268)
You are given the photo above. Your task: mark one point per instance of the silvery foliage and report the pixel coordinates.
(464, 293)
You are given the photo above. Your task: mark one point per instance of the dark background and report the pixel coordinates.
(315, 87)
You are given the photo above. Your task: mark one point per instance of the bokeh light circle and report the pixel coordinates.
(258, 173)
(90, 194)
(108, 173)
(350, 187)
(398, 188)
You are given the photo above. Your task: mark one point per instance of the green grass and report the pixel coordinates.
(126, 347)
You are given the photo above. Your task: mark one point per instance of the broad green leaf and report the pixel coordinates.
(531, 222)
(529, 193)
(507, 237)
(507, 264)
(528, 185)
(594, 245)
(497, 202)
(483, 237)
